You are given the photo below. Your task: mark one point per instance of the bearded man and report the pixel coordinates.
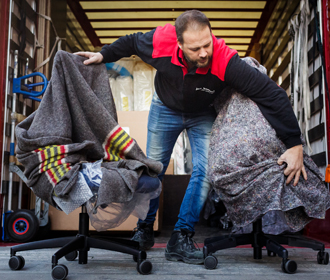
(193, 67)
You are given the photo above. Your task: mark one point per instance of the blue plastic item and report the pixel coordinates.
(120, 70)
(5, 216)
(27, 89)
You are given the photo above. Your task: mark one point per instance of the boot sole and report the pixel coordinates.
(146, 246)
(176, 257)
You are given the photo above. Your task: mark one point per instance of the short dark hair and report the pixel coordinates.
(190, 18)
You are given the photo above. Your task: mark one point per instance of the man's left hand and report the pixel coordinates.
(293, 157)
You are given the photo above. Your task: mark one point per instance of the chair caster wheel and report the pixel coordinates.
(322, 257)
(210, 262)
(60, 272)
(143, 257)
(71, 256)
(144, 267)
(289, 266)
(16, 262)
(271, 253)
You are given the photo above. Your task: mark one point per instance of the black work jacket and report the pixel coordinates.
(194, 90)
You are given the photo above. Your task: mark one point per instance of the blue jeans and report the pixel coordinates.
(164, 127)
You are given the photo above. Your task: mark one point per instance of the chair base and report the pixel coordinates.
(78, 246)
(258, 240)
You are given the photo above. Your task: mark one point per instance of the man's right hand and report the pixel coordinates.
(294, 159)
(92, 57)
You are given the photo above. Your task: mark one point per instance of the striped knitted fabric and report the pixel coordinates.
(117, 144)
(52, 161)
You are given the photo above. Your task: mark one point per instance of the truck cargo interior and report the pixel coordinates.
(288, 39)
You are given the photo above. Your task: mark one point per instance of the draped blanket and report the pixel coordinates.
(76, 122)
(243, 169)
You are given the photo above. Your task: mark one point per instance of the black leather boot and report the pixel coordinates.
(144, 234)
(181, 247)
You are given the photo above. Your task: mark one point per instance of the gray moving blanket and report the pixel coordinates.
(76, 122)
(244, 173)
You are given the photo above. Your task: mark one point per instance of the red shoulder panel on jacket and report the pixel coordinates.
(164, 41)
(221, 56)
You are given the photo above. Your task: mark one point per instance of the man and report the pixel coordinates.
(192, 68)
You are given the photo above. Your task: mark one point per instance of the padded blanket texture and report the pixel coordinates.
(244, 173)
(76, 122)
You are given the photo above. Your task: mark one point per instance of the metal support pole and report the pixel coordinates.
(12, 136)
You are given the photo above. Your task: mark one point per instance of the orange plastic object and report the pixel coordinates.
(327, 174)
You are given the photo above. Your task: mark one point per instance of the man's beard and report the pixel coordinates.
(198, 63)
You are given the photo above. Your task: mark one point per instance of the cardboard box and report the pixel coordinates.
(170, 167)
(135, 124)
(61, 221)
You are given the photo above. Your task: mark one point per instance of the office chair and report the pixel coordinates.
(258, 240)
(82, 242)
(80, 245)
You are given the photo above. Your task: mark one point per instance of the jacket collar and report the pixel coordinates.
(175, 56)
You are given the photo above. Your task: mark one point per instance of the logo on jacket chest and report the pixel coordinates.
(205, 90)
